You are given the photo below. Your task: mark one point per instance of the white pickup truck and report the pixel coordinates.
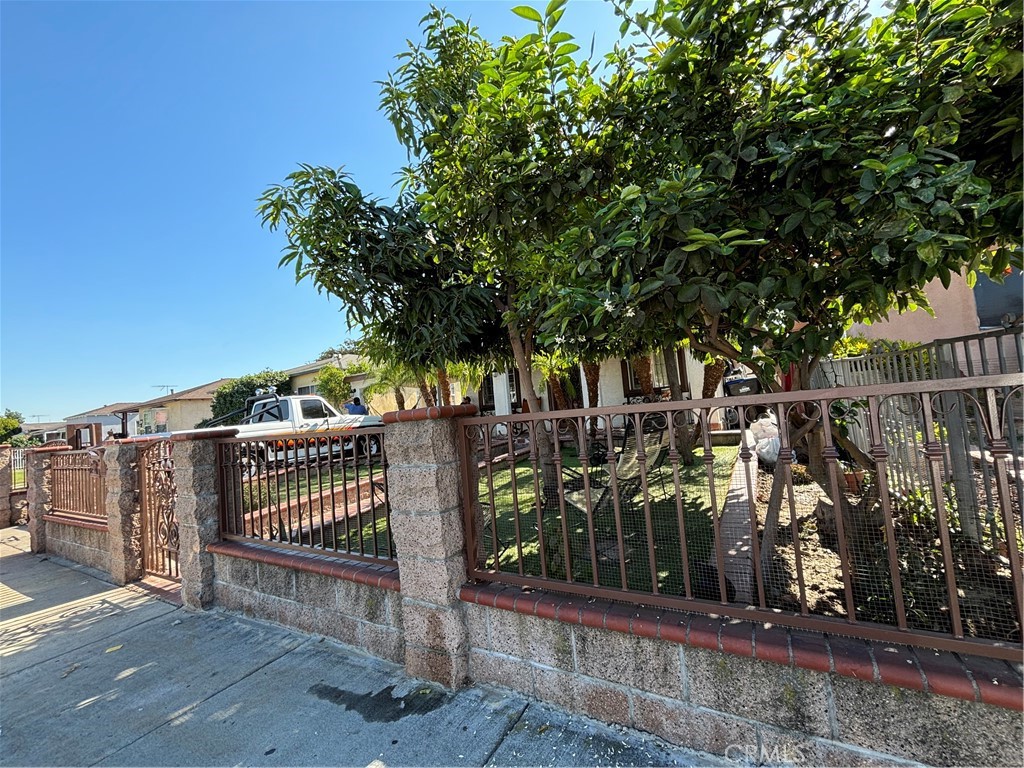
(310, 423)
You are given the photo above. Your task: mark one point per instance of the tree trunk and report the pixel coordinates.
(558, 392)
(714, 372)
(686, 435)
(399, 398)
(425, 393)
(642, 366)
(540, 436)
(592, 373)
(444, 386)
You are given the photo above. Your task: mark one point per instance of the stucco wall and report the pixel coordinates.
(185, 414)
(956, 314)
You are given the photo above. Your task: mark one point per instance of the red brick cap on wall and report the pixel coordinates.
(179, 437)
(959, 676)
(383, 576)
(425, 414)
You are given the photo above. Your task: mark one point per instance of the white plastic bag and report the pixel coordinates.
(763, 428)
(767, 450)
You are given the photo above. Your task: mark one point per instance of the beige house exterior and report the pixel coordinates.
(956, 312)
(178, 411)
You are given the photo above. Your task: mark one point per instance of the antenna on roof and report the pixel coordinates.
(38, 416)
(165, 387)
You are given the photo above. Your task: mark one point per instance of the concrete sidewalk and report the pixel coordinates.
(93, 674)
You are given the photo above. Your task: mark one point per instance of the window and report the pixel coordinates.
(314, 409)
(631, 383)
(270, 410)
(485, 397)
(310, 390)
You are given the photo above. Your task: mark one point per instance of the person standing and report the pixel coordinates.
(356, 407)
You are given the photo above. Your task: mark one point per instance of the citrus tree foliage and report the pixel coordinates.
(504, 147)
(397, 277)
(232, 396)
(332, 386)
(794, 166)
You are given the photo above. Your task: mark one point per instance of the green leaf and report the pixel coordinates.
(970, 12)
(566, 48)
(929, 252)
(792, 222)
(630, 192)
(674, 27)
(553, 6)
(527, 12)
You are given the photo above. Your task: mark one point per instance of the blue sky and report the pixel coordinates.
(135, 140)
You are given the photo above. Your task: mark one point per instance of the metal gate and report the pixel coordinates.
(157, 494)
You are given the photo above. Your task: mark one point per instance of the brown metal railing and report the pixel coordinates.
(657, 504)
(19, 470)
(76, 483)
(323, 492)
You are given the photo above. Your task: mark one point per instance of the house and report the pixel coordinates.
(958, 311)
(177, 411)
(501, 394)
(45, 430)
(120, 418)
(303, 377)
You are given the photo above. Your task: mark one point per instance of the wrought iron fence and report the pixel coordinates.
(157, 498)
(992, 352)
(325, 492)
(76, 484)
(789, 522)
(19, 472)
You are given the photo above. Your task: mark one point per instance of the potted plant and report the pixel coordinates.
(854, 477)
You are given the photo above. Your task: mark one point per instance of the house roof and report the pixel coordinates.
(202, 392)
(339, 361)
(37, 427)
(107, 410)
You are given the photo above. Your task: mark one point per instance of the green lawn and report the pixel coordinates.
(294, 484)
(18, 478)
(618, 546)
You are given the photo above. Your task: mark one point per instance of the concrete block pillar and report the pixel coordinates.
(426, 521)
(124, 523)
(198, 511)
(5, 485)
(40, 493)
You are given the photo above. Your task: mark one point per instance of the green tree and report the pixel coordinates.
(231, 397)
(10, 425)
(795, 167)
(346, 347)
(332, 386)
